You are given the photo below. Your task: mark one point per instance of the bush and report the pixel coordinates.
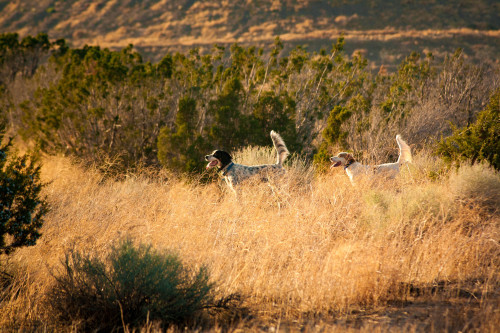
(130, 286)
(104, 104)
(332, 134)
(182, 148)
(22, 209)
(479, 141)
(478, 183)
(22, 56)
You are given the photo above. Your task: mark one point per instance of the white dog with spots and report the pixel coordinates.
(234, 173)
(355, 170)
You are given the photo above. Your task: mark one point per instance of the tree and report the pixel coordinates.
(276, 113)
(22, 56)
(408, 86)
(333, 133)
(22, 209)
(181, 148)
(479, 141)
(106, 104)
(225, 116)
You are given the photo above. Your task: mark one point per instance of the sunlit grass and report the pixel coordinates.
(301, 244)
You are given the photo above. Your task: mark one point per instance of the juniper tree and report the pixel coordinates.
(22, 208)
(478, 141)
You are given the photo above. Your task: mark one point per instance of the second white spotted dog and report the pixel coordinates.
(234, 173)
(356, 170)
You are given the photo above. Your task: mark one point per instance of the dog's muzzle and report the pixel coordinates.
(335, 163)
(212, 161)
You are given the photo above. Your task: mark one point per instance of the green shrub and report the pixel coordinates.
(182, 148)
(22, 56)
(332, 134)
(22, 208)
(479, 141)
(104, 104)
(130, 286)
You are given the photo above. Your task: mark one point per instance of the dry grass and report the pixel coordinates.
(316, 255)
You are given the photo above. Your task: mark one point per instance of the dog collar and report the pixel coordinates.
(348, 164)
(227, 168)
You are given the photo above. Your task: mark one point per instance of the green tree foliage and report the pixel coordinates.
(277, 113)
(105, 104)
(231, 108)
(100, 104)
(180, 148)
(332, 134)
(407, 86)
(479, 141)
(129, 286)
(21, 56)
(109, 103)
(226, 129)
(22, 208)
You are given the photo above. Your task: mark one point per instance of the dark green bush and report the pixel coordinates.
(332, 134)
(181, 148)
(104, 105)
(130, 286)
(21, 56)
(478, 141)
(22, 208)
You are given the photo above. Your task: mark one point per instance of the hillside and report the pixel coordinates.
(158, 26)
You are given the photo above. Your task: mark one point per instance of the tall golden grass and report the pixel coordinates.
(302, 248)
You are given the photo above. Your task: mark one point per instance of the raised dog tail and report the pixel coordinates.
(280, 146)
(404, 151)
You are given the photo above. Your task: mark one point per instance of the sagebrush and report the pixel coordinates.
(129, 287)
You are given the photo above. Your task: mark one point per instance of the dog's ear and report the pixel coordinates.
(226, 158)
(347, 157)
(223, 157)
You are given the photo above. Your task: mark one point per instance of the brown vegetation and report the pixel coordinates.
(311, 253)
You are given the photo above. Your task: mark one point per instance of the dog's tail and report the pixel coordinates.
(280, 146)
(404, 151)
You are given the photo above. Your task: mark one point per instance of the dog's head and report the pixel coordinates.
(342, 159)
(218, 158)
